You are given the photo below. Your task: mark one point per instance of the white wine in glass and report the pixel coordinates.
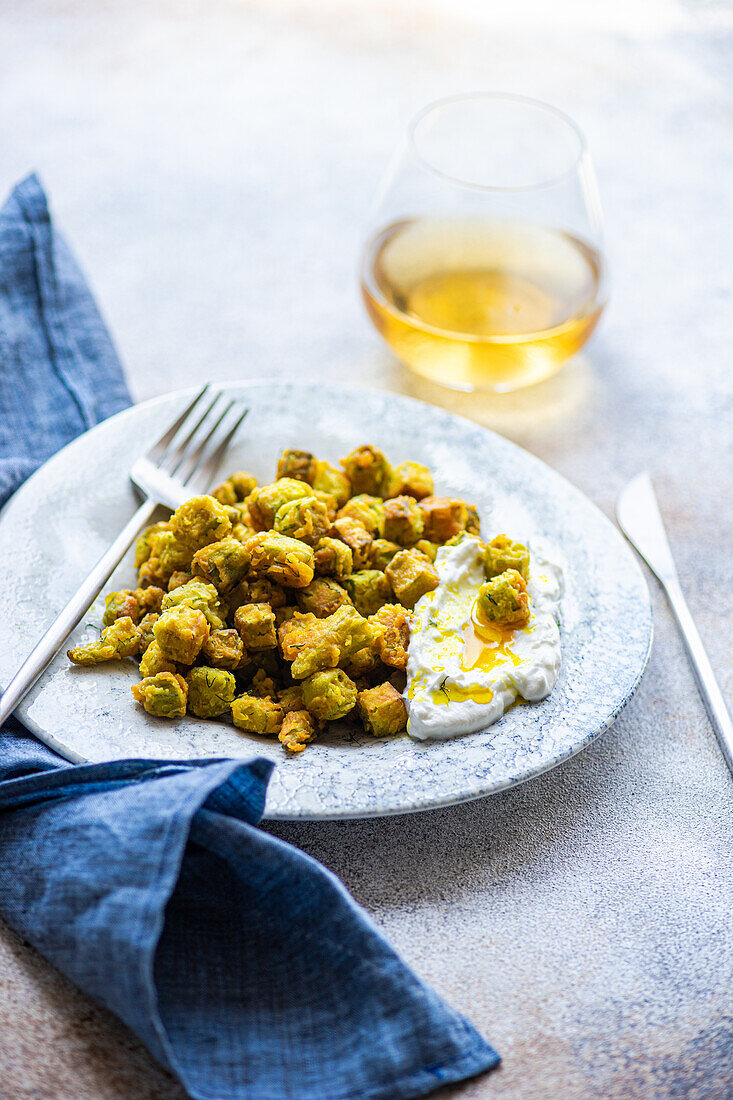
(487, 285)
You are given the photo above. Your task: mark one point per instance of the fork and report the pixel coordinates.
(169, 473)
(639, 518)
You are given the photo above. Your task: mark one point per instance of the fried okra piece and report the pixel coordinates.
(411, 575)
(167, 556)
(382, 710)
(403, 521)
(322, 597)
(297, 730)
(257, 590)
(443, 518)
(265, 502)
(153, 661)
(305, 519)
(291, 698)
(143, 546)
(329, 479)
(355, 535)
(178, 579)
(315, 644)
(429, 549)
(163, 694)
(504, 601)
(255, 623)
(257, 715)
(366, 510)
(362, 664)
(367, 469)
(300, 465)
(369, 590)
(117, 605)
(224, 564)
(410, 479)
(211, 691)
(180, 632)
(329, 502)
(120, 639)
(282, 559)
(199, 521)
(473, 520)
(503, 553)
(329, 695)
(263, 685)
(145, 627)
(235, 488)
(392, 629)
(333, 558)
(201, 596)
(381, 553)
(223, 649)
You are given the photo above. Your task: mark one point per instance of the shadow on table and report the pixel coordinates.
(393, 861)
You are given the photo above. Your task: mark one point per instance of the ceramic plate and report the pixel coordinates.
(62, 519)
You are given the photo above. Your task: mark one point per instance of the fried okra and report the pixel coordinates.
(291, 698)
(333, 558)
(328, 479)
(366, 510)
(297, 730)
(305, 519)
(329, 695)
(392, 635)
(403, 521)
(382, 710)
(257, 590)
(282, 559)
(502, 554)
(429, 549)
(223, 649)
(255, 623)
(143, 546)
(211, 691)
(381, 553)
(224, 564)
(410, 479)
(235, 488)
(117, 605)
(368, 589)
(199, 521)
(503, 600)
(145, 627)
(411, 575)
(202, 597)
(355, 535)
(120, 639)
(153, 661)
(265, 502)
(168, 555)
(322, 597)
(367, 469)
(257, 715)
(300, 465)
(163, 694)
(316, 644)
(180, 632)
(443, 518)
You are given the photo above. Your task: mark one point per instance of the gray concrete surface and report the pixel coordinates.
(213, 162)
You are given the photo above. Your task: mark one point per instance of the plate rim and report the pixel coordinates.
(529, 772)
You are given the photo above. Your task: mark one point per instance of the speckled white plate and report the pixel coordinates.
(61, 520)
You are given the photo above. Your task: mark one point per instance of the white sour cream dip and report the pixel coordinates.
(460, 681)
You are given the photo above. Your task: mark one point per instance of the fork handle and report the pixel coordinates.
(48, 646)
(703, 670)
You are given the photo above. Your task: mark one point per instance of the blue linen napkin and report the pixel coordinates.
(242, 963)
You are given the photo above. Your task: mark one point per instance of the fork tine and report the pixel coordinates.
(190, 462)
(207, 466)
(177, 457)
(159, 450)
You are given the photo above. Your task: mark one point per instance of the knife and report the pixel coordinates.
(638, 517)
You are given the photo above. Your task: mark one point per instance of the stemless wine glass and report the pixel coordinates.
(483, 268)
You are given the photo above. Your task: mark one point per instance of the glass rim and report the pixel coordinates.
(511, 97)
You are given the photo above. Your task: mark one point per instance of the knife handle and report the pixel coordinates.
(703, 670)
